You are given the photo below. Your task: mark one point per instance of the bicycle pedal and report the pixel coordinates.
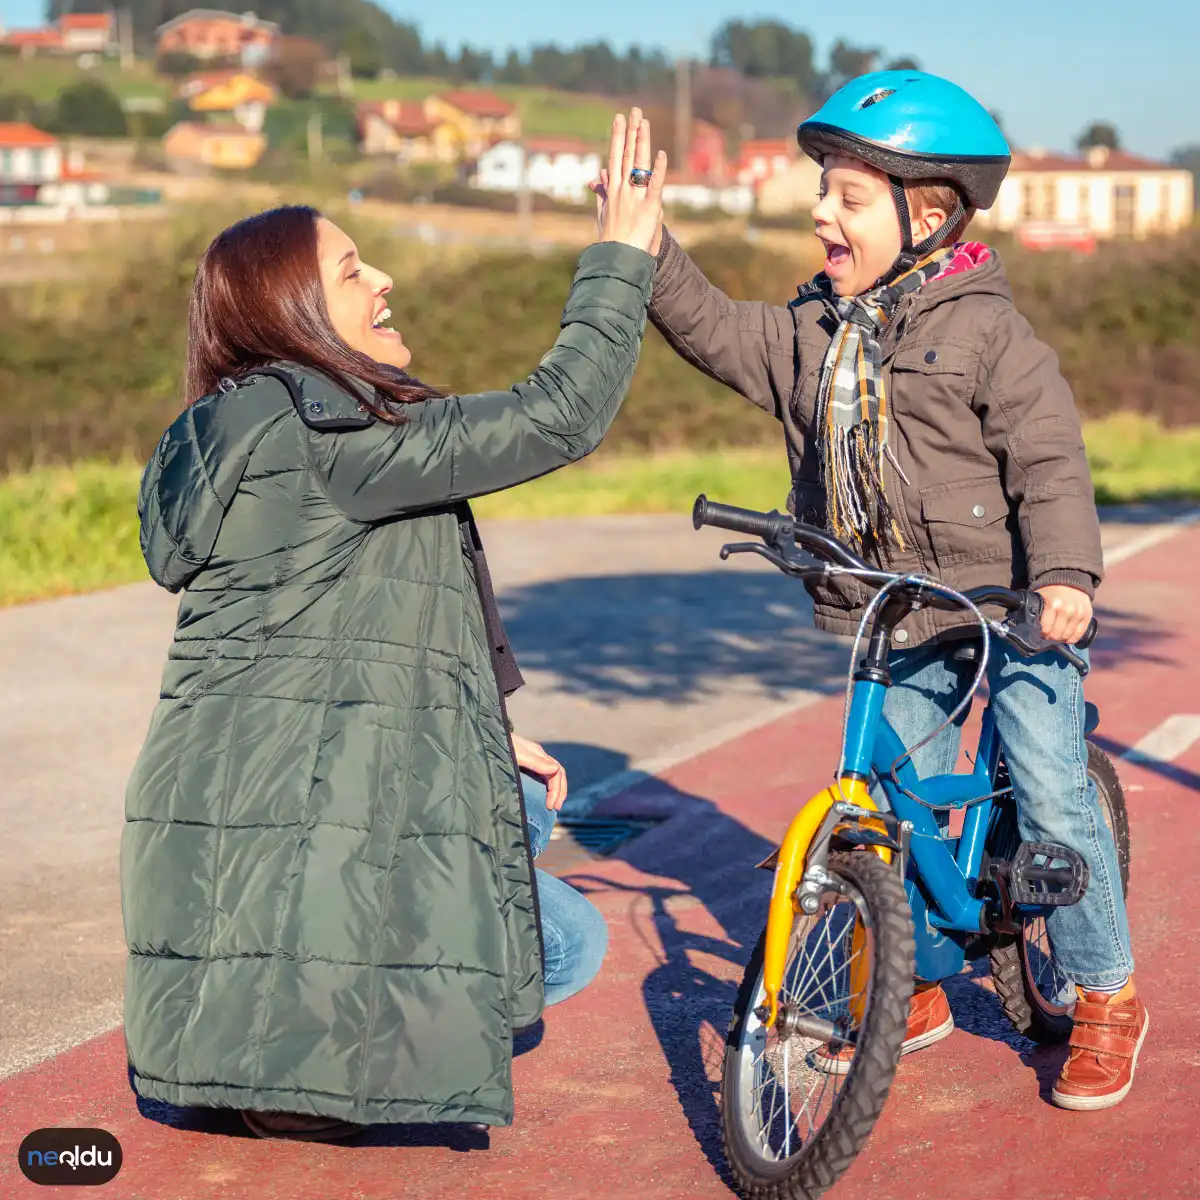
(1043, 874)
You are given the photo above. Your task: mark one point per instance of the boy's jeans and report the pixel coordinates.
(574, 934)
(1038, 705)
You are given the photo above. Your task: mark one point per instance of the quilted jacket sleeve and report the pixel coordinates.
(456, 447)
(1031, 425)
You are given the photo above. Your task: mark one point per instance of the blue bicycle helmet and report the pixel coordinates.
(913, 126)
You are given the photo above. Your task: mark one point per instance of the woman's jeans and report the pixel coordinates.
(1038, 706)
(574, 934)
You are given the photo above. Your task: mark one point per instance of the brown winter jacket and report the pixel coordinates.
(982, 424)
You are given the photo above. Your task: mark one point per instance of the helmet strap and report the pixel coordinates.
(909, 254)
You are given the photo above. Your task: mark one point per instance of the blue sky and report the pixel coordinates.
(1049, 66)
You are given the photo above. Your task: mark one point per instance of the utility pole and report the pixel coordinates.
(315, 147)
(125, 37)
(524, 198)
(683, 113)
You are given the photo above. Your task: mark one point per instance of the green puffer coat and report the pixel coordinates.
(327, 892)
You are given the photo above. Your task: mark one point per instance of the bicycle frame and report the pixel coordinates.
(940, 881)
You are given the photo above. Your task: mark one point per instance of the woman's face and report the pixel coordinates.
(355, 297)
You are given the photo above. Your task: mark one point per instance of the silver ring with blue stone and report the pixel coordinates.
(640, 177)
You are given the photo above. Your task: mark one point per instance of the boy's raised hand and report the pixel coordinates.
(1066, 614)
(626, 212)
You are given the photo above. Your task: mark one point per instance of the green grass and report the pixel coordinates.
(74, 529)
(44, 77)
(544, 113)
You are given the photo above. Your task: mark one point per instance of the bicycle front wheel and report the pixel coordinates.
(792, 1123)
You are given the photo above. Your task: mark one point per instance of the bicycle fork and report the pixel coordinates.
(801, 877)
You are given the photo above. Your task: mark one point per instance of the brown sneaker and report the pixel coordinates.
(929, 1020)
(1105, 1043)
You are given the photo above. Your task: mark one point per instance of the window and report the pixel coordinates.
(1028, 202)
(6, 163)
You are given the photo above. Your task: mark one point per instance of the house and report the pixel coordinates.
(706, 157)
(1052, 198)
(34, 41)
(191, 145)
(29, 158)
(402, 130)
(759, 159)
(87, 33)
(701, 194)
(792, 190)
(72, 33)
(208, 33)
(239, 93)
(558, 167)
(479, 119)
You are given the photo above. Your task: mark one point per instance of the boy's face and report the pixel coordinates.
(857, 224)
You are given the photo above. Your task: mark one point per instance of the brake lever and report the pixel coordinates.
(1024, 631)
(799, 564)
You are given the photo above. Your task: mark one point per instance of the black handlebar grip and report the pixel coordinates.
(1089, 635)
(739, 520)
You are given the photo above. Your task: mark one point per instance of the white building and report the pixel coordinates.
(558, 167)
(28, 157)
(736, 199)
(1103, 194)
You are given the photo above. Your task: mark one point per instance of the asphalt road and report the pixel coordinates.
(640, 649)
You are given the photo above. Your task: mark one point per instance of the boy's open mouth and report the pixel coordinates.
(835, 256)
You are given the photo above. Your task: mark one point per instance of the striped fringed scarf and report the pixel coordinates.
(852, 409)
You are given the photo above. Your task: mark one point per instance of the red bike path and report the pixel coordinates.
(618, 1099)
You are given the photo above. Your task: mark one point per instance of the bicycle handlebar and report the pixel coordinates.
(775, 527)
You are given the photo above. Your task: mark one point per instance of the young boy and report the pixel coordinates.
(929, 428)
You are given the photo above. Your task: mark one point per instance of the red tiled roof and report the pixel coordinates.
(49, 39)
(560, 145)
(85, 21)
(21, 133)
(1116, 160)
(408, 119)
(478, 104)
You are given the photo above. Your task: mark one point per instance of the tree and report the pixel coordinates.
(175, 64)
(766, 50)
(903, 64)
(847, 62)
(88, 109)
(1188, 157)
(1099, 133)
(363, 52)
(295, 66)
(17, 106)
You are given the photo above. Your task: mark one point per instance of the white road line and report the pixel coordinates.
(1168, 741)
(1152, 537)
(581, 802)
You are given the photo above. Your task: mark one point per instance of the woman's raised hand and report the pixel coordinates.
(626, 211)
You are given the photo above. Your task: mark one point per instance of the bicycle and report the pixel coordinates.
(863, 898)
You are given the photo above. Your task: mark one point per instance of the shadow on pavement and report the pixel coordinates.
(670, 636)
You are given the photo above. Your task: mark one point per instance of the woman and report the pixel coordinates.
(327, 884)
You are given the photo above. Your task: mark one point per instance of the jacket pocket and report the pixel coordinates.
(967, 521)
(924, 376)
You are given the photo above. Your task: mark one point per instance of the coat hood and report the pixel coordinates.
(190, 481)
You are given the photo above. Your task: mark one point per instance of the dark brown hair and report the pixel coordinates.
(939, 194)
(258, 299)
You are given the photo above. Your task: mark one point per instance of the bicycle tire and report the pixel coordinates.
(812, 1172)
(1012, 971)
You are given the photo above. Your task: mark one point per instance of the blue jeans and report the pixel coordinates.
(1038, 706)
(574, 934)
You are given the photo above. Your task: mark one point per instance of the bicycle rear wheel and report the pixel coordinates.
(791, 1130)
(1036, 996)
